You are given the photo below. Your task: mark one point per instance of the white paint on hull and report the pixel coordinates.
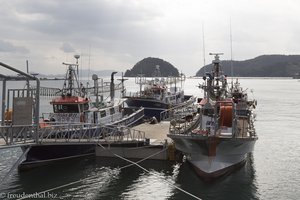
(229, 152)
(213, 164)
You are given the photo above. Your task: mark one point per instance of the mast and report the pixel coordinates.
(122, 85)
(213, 87)
(203, 43)
(71, 79)
(112, 87)
(231, 64)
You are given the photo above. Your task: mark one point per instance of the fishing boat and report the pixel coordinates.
(217, 135)
(158, 94)
(78, 104)
(78, 112)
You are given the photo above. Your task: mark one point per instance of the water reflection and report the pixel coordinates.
(102, 178)
(240, 184)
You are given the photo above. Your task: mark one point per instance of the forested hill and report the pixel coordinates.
(148, 67)
(261, 66)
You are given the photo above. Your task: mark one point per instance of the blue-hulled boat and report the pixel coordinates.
(158, 94)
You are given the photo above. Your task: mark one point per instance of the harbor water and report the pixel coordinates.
(271, 171)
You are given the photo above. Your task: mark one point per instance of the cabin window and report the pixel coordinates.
(102, 113)
(84, 107)
(65, 108)
(112, 111)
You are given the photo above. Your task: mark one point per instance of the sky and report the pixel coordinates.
(116, 34)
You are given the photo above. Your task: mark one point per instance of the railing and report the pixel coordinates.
(18, 134)
(133, 94)
(184, 123)
(181, 108)
(68, 133)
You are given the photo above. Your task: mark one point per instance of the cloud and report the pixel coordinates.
(67, 48)
(116, 34)
(11, 48)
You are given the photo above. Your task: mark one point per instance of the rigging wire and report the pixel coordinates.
(203, 46)
(231, 61)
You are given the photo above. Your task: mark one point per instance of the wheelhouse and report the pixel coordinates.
(70, 105)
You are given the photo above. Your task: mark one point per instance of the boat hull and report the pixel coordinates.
(216, 174)
(45, 154)
(153, 107)
(213, 157)
(40, 155)
(133, 118)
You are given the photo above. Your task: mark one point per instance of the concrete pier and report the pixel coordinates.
(158, 144)
(157, 133)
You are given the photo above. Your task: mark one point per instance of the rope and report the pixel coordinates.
(132, 163)
(136, 163)
(81, 180)
(178, 188)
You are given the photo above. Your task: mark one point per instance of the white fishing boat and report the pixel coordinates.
(77, 104)
(219, 133)
(78, 112)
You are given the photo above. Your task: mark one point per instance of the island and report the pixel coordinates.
(148, 67)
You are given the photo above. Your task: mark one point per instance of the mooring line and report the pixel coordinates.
(182, 190)
(132, 163)
(159, 152)
(136, 163)
(81, 180)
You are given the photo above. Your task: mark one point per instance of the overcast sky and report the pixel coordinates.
(116, 34)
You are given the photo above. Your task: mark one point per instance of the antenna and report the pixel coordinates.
(87, 83)
(231, 64)
(76, 56)
(203, 43)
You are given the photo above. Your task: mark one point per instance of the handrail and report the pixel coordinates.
(69, 133)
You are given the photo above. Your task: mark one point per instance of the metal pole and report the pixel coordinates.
(37, 101)
(3, 101)
(37, 109)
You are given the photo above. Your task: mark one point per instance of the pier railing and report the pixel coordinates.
(18, 135)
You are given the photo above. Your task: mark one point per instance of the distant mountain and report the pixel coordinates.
(261, 66)
(148, 67)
